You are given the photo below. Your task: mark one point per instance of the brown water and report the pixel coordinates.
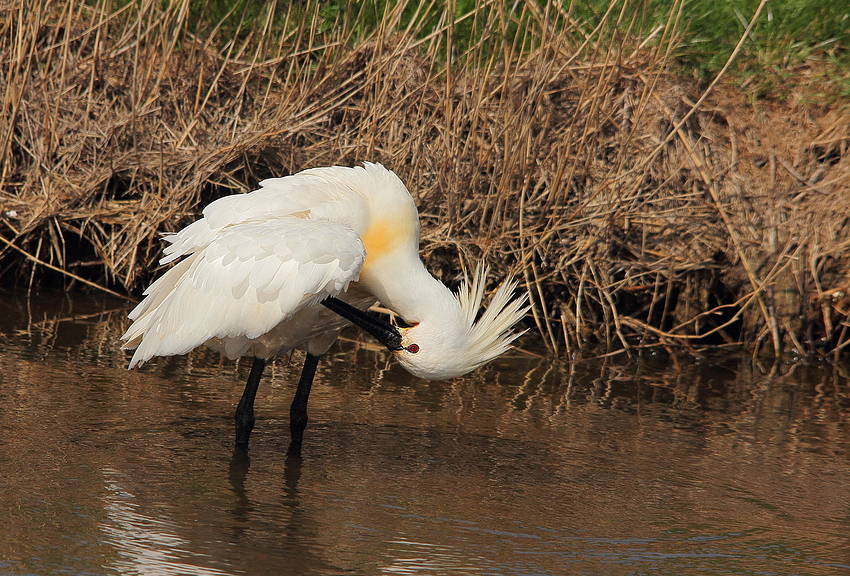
(528, 467)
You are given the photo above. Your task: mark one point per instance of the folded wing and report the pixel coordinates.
(243, 281)
(313, 193)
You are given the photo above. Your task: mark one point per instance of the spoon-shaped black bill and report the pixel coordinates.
(386, 333)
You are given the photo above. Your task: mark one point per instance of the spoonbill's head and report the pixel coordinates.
(454, 340)
(446, 337)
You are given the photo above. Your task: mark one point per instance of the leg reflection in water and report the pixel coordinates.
(274, 521)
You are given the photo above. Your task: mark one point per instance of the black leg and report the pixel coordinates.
(245, 410)
(298, 410)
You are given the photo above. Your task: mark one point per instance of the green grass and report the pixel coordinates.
(794, 42)
(790, 41)
(789, 36)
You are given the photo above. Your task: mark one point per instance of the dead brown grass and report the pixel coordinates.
(635, 216)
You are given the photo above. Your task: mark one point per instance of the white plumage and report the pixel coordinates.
(245, 281)
(256, 266)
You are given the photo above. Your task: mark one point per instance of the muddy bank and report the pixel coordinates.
(635, 216)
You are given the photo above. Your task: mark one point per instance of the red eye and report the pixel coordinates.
(413, 348)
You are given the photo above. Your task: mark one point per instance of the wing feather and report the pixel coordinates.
(249, 278)
(317, 192)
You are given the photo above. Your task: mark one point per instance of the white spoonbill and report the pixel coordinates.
(256, 267)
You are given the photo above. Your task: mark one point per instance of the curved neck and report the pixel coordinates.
(403, 285)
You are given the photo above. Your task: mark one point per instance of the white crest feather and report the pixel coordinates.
(491, 334)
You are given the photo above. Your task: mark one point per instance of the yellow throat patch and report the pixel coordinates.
(383, 237)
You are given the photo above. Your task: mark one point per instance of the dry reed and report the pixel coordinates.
(639, 210)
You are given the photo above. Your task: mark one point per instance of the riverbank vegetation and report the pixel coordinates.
(653, 183)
